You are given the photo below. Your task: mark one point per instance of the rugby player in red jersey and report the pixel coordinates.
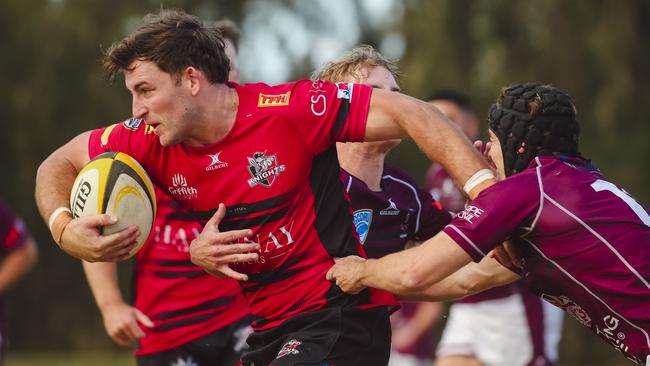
(18, 253)
(287, 216)
(390, 212)
(585, 243)
(185, 315)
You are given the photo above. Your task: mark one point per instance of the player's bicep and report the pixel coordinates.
(385, 110)
(75, 152)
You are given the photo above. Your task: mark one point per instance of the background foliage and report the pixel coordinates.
(53, 88)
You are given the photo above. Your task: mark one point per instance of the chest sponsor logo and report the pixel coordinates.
(344, 91)
(215, 163)
(470, 213)
(391, 210)
(180, 189)
(132, 123)
(610, 331)
(273, 100)
(317, 98)
(362, 220)
(264, 169)
(570, 307)
(289, 348)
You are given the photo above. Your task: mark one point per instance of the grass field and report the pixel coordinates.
(73, 359)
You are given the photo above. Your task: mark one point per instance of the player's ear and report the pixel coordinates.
(193, 77)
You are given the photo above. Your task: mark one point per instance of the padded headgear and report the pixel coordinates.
(533, 120)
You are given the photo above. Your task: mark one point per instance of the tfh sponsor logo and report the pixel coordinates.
(180, 189)
(470, 213)
(277, 100)
(264, 169)
(215, 163)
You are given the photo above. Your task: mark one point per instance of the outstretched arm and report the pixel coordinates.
(120, 319)
(469, 280)
(18, 262)
(81, 237)
(394, 115)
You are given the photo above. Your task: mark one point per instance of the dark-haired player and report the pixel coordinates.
(180, 314)
(18, 254)
(585, 243)
(287, 216)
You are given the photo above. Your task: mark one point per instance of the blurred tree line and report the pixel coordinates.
(53, 88)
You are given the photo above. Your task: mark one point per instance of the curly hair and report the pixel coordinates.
(533, 120)
(351, 63)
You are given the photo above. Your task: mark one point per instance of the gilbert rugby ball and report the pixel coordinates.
(115, 184)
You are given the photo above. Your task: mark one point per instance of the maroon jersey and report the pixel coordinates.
(586, 244)
(278, 174)
(386, 220)
(443, 189)
(184, 302)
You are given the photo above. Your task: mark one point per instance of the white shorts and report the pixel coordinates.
(494, 331)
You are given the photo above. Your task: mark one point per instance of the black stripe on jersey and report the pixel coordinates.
(226, 224)
(341, 117)
(181, 216)
(175, 263)
(186, 322)
(247, 209)
(258, 280)
(178, 274)
(208, 305)
(333, 221)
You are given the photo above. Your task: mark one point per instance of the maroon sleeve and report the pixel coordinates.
(496, 214)
(325, 112)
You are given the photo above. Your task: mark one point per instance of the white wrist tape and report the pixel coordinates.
(56, 214)
(478, 178)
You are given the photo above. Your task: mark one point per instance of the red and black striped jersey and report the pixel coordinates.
(278, 174)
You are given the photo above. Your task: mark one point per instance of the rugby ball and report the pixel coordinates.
(115, 184)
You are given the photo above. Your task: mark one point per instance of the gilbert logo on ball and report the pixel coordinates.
(115, 184)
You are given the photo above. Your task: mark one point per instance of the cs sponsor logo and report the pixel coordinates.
(273, 100)
(317, 99)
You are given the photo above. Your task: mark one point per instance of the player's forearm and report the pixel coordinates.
(17, 263)
(103, 282)
(411, 271)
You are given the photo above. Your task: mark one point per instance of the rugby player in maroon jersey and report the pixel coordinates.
(287, 216)
(584, 242)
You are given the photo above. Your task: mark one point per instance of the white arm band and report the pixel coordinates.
(478, 178)
(56, 214)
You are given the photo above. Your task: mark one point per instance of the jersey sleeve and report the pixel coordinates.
(495, 214)
(132, 137)
(325, 112)
(13, 232)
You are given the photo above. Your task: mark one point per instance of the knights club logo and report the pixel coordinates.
(264, 169)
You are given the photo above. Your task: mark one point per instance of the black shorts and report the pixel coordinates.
(329, 337)
(221, 348)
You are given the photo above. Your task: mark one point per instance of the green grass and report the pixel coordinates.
(71, 359)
